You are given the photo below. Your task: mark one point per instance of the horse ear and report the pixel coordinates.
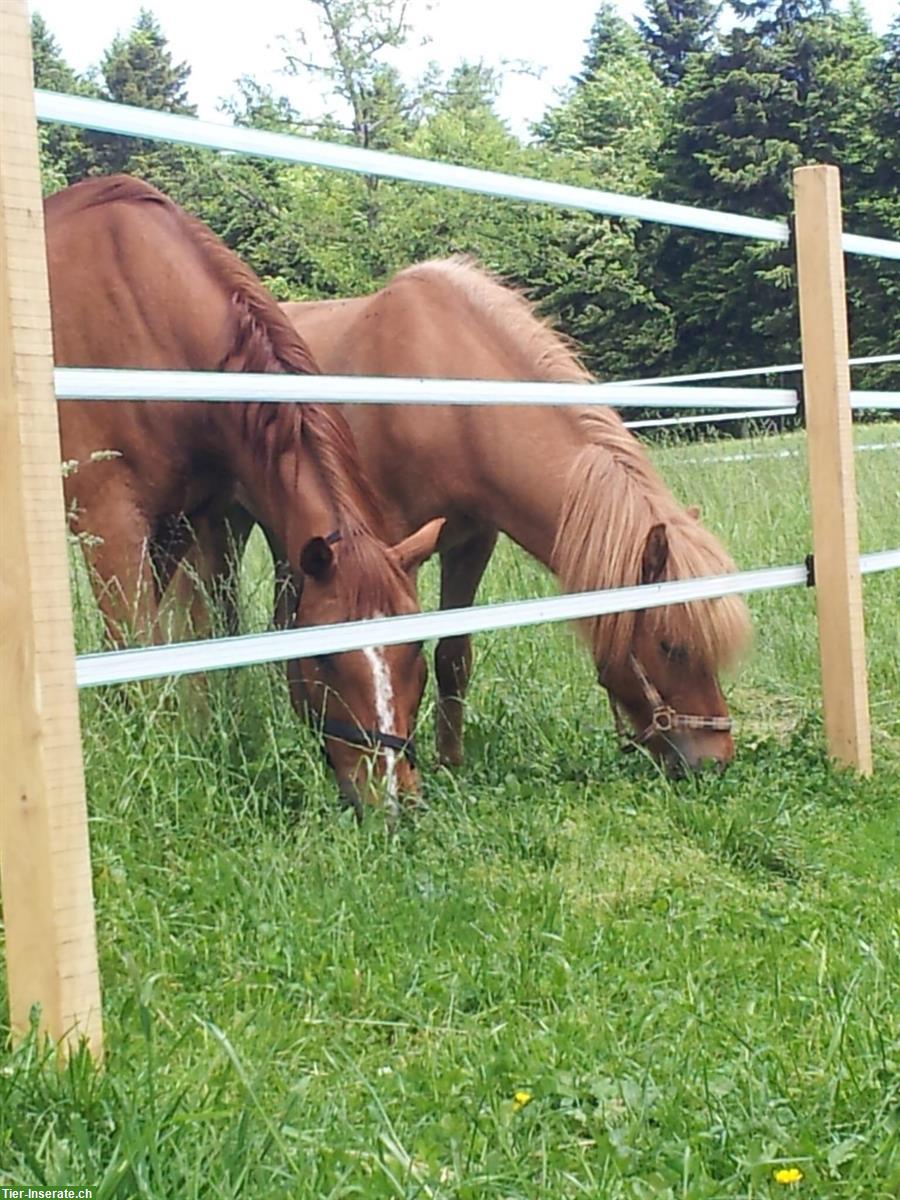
(419, 546)
(317, 559)
(656, 555)
(693, 511)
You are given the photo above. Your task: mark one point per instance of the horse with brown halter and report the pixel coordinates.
(136, 282)
(571, 485)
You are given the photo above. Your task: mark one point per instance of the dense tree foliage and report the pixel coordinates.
(608, 127)
(674, 30)
(138, 69)
(613, 116)
(797, 85)
(686, 105)
(874, 285)
(64, 157)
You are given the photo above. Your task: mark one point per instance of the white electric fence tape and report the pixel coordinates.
(185, 658)
(189, 131)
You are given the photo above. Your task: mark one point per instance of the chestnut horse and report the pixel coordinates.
(136, 282)
(571, 485)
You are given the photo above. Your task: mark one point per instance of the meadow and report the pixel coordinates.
(568, 977)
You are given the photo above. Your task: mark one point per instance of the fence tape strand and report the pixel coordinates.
(184, 658)
(102, 115)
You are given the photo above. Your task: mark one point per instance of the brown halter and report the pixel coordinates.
(663, 717)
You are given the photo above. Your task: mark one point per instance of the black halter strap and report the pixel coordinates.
(354, 735)
(371, 739)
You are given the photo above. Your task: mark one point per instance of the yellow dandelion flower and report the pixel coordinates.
(520, 1099)
(788, 1175)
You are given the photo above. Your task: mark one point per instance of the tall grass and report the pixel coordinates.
(694, 983)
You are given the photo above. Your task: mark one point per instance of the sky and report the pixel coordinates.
(549, 37)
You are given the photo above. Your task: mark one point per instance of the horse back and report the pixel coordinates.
(441, 320)
(129, 286)
(420, 325)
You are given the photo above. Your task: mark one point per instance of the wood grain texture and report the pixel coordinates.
(48, 906)
(826, 381)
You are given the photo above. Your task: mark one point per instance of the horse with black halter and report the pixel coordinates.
(136, 282)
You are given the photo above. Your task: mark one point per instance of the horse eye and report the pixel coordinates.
(673, 653)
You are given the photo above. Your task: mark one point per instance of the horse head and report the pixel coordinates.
(666, 686)
(363, 702)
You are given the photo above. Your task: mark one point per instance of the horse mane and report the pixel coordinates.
(613, 495)
(266, 342)
(613, 498)
(551, 355)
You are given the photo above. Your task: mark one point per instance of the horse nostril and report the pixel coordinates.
(709, 763)
(680, 764)
(676, 766)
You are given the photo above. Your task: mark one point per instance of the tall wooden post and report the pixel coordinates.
(45, 867)
(826, 382)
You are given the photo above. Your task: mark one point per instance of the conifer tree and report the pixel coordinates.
(139, 69)
(64, 154)
(793, 85)
(673, 30)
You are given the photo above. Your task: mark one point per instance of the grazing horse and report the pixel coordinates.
(571, 485)
(136, 282)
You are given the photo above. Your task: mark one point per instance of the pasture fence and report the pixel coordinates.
(185, 658)
(749, 372)
(105, 117)
(761, 455)
(44, 851)
(45, 865)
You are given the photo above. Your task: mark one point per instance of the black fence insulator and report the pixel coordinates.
(801, 403)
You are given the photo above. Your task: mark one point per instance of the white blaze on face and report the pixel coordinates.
(384, 709)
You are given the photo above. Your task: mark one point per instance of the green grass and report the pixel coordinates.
(696, 982)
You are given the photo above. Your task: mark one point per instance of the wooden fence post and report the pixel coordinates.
(832, 476)
(45, 866)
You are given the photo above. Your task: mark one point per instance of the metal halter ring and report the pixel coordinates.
(664, 719)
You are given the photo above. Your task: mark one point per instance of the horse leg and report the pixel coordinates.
(286, 596)
(462, 567)
(116, 546)
(205, 582)
(203, 591)
(175, 557)
(287, 585)
(229, 543)
(187, 596)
